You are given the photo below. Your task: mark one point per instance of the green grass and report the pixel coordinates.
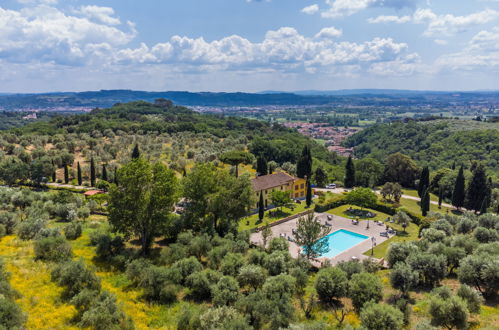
(413, 206)
(251, 221)
(414, 193)
(411, 234)
(341, 211)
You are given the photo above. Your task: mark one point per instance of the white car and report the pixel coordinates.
(331, 186)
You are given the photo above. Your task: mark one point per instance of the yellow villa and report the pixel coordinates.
(266, 184)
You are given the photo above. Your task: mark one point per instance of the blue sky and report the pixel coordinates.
(248, 45)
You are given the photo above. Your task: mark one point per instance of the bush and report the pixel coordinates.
(75, 277)
(72, 231)
(381, 317)
(448, 312)
(52, 249)
(278, 244)
(277, 262)
(11, 315)
(199, 285)
(398, 252)
(8, 220)
(153, 281)
(104, 314)
(231, 264)
(168, 294)
(28, 229)
(472, 297)
(108, 247)
(136, 269)
(188, 266)
(223, 318)
(331, 284)
(173, 253)
(484, 235)
(350, 267)
(252, 275)
(403, 277)
(3, 230)
(226, 291)
(365, 287)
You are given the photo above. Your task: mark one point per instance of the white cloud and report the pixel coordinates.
(35, 2)
(339, 8)
(101, 14)
(47, 34)
(310, 10)
(481, 53)
(390, 19)
(330, 32)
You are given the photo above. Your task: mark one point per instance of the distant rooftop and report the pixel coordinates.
(270, 181)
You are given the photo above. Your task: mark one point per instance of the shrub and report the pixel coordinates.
(277, 262)
(3, 230)
(350, 267)
(104, 314)
(168, 294)
(173, 253)
(75, 277)
(431, 268)
(48, 232)
(381, 317)
(8, 220)
(363, 288)
(256, 257)
(484, 235)
(398, 252)
(28, 229)
(72, 231)
(108, 247)
(11, 315)
(278, 244)
(472, 297)
(199, 285)
(226, 291)
(52, 249)
(188, 266)
(480, 270)
(252, 275)
(231, 264)
(153, 280)
(331, 284)
(136, 269)
(403, 277)
(448, 312)
(223, 318)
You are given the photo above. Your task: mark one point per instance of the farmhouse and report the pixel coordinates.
(266, 184)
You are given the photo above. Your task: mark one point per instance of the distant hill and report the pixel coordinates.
(363, 97)
(438, 144)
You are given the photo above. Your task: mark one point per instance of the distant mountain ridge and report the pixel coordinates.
(107, 98)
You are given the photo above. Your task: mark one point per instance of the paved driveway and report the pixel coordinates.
(285, 229)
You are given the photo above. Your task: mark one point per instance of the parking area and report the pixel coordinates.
(337, 223)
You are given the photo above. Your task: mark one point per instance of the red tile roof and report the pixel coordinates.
(93, 192)
(271, 181)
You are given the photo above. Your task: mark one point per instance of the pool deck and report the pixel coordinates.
(285, 229)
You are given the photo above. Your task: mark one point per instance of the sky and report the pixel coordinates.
(248, 45)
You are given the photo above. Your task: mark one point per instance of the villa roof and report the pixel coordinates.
(93, 192)
(270, 181)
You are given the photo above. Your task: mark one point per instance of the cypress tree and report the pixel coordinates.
(425, 202)
(309, 193)
(477, 189)
(66, 174)
(92, 172)
(80, 181)
(458, 193)
(261, 208)
(262, 167)
(116, 176)
(349, 173)
(136, 151)
(54, 175)
(104, 172)
(304, 164)
(424, 181)
(440, 196)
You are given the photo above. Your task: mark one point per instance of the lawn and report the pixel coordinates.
(414, 193)
(411, 234)
(272, 215)
(413, 206)
(341, 211)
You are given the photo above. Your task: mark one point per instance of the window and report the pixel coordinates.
(296, 187)
(302, 186)
(302, 194)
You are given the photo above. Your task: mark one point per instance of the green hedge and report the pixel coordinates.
(330, 204)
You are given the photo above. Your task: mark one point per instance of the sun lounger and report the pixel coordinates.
(383, 234)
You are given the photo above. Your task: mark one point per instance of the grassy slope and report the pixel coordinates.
(286, 212)
(341, 211)
(40, 296)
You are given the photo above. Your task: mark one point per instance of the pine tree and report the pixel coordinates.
(458, 194)
(136, 151)
(66, 174)
(80, 181)
(425, 202)
(477, 189)
(349, 173)
(92, 172)
(261, 208)
(104, 172)
(440, 196)
(424, 181)
(309, 193)
(261, 166)
(304, 164)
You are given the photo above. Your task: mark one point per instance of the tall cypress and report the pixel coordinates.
(349, 173)
(309, 193)
(78, 169)
(440, 196)
(304, 164)
(261, 166)
(424, 181)
(261, 208)
(66, 174)
(54, 174)
(425, 202)
(92, 172)
(136, 151)
(477, 189)
(104, 172)
(458, 194)
(116, 176)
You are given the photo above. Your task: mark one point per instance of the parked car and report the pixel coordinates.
(331, 186)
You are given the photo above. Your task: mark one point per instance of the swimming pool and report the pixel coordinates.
(342, 240)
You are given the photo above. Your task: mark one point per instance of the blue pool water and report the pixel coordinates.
(342, 240)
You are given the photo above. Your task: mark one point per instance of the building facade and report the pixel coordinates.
(280, 181)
